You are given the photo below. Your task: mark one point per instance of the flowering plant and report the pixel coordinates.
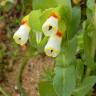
(60, 32)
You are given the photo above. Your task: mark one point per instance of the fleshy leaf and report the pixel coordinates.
(75, 23)
(90, 7)
(86, 86)
(64, 80)
(34, 21)
(46, 88)
(43, 4)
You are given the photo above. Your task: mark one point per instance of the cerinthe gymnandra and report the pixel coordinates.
(21, 36)
(50, 26)
(53, 45)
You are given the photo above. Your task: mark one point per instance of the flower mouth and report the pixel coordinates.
(51, 51)
(19, 38)
(50, 27)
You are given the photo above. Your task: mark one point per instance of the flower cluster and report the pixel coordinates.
(50, 29)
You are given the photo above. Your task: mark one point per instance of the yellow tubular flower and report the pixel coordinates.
(21, 36)
(50, 26)
(52, 48)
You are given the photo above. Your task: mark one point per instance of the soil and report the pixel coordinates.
(31, 76)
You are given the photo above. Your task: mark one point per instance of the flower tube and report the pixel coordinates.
(50, 26)
(21, 36)
(53, 46)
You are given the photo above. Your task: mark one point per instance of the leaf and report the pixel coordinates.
(32, 39)
(43, 42)
(66, 3)
(34, 21)
(75, 23)
(90, 7)
(46, 14)
(79, 71)
(46, 89)
(62, 26)
(64, 80)
(43, 4)
(86, 86)
(67, 10)
(89, 43)
(61, 60)
(90, 4)
(70, 50)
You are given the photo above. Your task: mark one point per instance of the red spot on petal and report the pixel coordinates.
(23, 22)
(54, 14)
(59, 34)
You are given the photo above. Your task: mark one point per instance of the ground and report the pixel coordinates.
(31, 75)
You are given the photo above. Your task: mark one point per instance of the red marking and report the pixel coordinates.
(54, 14)
(59, 34)
(23, 22)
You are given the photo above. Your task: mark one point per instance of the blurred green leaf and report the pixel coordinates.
(70, 50)
(89, 42)
(73, 27)
(34, 21)
(90, 7)
(46, 89)
(66, 10)
(43, 4)
(79, 72)
(32, 39)
(64, 80)
(86, 86)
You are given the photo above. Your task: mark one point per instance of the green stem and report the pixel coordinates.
(19, 78)
(4, 92)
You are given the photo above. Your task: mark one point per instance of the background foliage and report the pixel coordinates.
(74, 73)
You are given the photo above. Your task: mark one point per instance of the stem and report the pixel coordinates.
(4, 92)
(19, 78)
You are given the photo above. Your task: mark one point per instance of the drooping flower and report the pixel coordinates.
(21, 36)
(53, 45)
(50, 26)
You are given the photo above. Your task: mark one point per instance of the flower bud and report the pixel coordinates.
(50, 26)
(22, 34)
(52, 48)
